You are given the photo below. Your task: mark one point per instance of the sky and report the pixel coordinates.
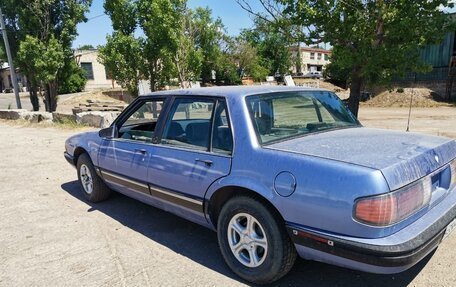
(94, 31)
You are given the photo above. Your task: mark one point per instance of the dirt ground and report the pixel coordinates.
(51, 236)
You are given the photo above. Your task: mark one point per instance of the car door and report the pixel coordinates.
(194, 151)
(124, 159)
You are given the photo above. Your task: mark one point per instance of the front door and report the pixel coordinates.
(124, 160)
(194, 151)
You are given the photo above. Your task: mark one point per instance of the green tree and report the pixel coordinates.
(45, 60)
(51, 22)
(187, 58)
(272, 46)
(159, 20)
(248, 61)
(373, 40)
(122, 57)
(209, 40)
(86, 47)
(123, 53)
(72, 78)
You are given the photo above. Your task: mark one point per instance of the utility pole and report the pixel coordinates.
(10, 61)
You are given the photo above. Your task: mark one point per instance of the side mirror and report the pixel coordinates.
(110, 132)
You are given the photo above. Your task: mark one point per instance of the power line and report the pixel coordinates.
(94, 17)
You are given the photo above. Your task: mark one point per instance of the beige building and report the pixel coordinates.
(97, 76)
(6, 84)
(312, 60)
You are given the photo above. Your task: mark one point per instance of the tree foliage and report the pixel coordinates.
(44, 60)
(175, 43)
(122, 57)
(374, 40)
(51, 23)
(272, 46)
(160, 22)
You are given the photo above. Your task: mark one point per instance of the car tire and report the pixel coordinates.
(266, 241)
(92, 186)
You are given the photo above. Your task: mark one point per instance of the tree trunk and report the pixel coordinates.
(47, 99)
(33, 96)
(51, 97)
(355, 91)
(54, 96)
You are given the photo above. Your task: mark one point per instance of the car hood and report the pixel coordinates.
(401, 157)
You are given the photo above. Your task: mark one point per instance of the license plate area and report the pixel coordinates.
(450, 228)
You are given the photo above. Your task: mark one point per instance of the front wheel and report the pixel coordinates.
(253, 241)
(93, 187)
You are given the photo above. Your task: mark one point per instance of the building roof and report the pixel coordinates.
(232, 91)
(311, 49)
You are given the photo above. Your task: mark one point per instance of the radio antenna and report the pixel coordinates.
(411, 101)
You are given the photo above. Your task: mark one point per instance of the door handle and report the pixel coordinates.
(141, 150)
(205, 161)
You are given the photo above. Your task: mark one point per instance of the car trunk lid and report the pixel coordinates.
(401, 157)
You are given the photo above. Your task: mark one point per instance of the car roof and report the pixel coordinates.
(231, 91)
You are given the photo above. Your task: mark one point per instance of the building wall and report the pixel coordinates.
(5, 79)
(96, 72)
(312, 59)
(439, 55)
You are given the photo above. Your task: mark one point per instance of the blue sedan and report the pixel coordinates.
(278, 172)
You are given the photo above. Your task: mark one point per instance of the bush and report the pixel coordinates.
(400, 90)
(72, 78)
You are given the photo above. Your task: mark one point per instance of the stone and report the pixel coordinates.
(61, 118)
(38, 117)
(96, 118)
(12, 114)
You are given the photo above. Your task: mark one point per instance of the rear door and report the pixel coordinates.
(194, 150)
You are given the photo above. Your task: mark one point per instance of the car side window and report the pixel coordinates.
(222, 139)
(189, 124)
(141, 124)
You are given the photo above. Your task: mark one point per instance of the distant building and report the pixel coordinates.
(6, 84)
(312, 59)
(97, 76)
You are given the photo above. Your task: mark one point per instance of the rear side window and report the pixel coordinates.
(199, 124)
(222, 139)
(189, 124)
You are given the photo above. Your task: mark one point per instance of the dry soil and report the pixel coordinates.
(51, 236)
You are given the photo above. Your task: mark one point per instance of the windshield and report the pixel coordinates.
(280, 116)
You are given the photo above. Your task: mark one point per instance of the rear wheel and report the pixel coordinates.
(253, 241)
(92, 186)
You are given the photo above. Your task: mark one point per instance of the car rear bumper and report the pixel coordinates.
(69, 158)
(391, 254)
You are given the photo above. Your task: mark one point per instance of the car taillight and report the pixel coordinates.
(395, 206)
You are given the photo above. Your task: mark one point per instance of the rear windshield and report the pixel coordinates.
(280, 116)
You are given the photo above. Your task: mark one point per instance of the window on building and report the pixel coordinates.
(88, 68)
(326, 57)
(319, 56)
(312, 56)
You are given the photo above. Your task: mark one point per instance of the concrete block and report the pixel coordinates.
(12, 114)
(37, 117)
(96, 119)
(59, 117)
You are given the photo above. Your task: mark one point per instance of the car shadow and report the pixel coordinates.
(174, 232)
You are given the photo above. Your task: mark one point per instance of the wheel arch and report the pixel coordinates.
(77, 152)
(223, 194)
